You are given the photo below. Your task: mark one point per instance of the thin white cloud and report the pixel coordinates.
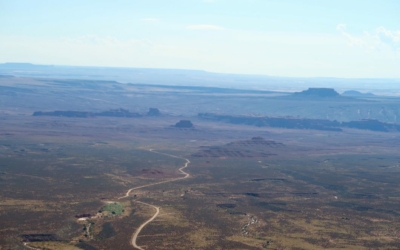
(205, 27)
(250, 52)
(149, 20)
(394, 36)
(341, 27)
(381, 40)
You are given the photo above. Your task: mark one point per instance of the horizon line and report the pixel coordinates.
(199, 70)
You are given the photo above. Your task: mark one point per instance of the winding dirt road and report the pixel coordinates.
(137, 232)
(140, 228)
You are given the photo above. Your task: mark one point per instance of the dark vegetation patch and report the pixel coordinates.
(253, 194)
(304, 193)
(268, 179)
(236, 212)
(362, 196)
(273, 206)
(349, 205)
(226, 205)
(83, 215)
(107, 231)
(39, 237)
(86, 246)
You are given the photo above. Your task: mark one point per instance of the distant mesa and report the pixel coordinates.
(184, 124)
(299, 123)
(154, 112)
(355, 93)
(84, 114)
(277, 122)
(317, 92)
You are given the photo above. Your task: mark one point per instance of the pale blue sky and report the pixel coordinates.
(353, 38)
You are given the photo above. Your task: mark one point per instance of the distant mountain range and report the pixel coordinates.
(190, 77)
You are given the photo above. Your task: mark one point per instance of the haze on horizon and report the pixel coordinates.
(351, 39)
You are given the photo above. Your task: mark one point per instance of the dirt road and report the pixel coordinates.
(137, 232)
(140, 228)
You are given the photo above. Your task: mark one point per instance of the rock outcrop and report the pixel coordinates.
(154, 112)
(184, 124)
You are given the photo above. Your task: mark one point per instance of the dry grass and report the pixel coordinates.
(203, 237)
(35, 205)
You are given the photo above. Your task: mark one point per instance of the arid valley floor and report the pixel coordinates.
(64, 181)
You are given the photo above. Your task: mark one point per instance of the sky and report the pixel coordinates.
(290, 38)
